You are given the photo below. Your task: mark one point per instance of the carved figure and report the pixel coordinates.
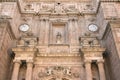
(28, 7)
(59, 8)
(71, 8)
(58, 38)
(46, 8)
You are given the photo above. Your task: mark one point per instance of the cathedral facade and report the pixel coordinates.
(59, 40)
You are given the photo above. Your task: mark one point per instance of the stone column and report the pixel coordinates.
(88, 70)
(101, 70)
(16, 70)
(29, 71)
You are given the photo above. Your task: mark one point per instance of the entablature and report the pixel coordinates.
(59, 0)
(58, 7)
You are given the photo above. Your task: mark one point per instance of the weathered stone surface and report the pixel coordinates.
(58, 44)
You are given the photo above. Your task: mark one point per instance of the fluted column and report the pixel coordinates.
(16, 70)
(101, 70)
(88, 70)
(29, 71)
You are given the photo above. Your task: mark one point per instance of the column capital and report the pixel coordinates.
(17, 61)
(29, 61)
(100, 61)
(88, 61)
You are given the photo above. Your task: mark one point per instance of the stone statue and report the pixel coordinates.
(58, 37)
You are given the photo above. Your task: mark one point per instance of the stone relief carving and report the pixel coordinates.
(28, 7)
(88, 7)
(90, 42)
(58, 72)
(46, 8)
(71, 8)
(27, 39)
(59, 7)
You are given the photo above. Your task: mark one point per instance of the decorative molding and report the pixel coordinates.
(57, 72)
(58, 8)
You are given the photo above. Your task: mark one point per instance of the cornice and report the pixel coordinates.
(59, 0)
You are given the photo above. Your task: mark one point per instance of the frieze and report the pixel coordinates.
(59, 48)
(58, 7)
(95, 54)
(75, 49)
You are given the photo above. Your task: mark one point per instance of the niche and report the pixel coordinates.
(58, 33)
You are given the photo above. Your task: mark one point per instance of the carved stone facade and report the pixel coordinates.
(53, 40)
